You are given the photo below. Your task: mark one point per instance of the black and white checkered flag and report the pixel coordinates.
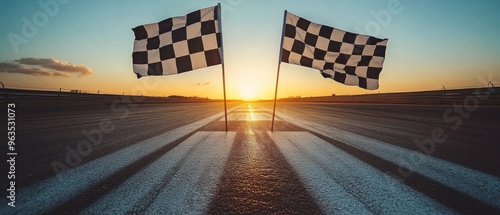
(179, 44)
(348, 58)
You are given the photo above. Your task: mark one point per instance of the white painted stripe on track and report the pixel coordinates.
(51, 192)
(342, 184)
(479, 185)
(189, 191)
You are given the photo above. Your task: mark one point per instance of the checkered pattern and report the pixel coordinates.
(179, 44)
(345, 57)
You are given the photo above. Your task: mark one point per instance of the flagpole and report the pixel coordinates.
(224, 88)
(275, 95)
(278, 73)
(219, 13)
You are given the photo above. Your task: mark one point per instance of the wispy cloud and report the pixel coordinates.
(59, 74)
(45, 67)
(8, 67)
(201, 84)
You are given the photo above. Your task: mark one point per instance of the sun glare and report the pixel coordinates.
(248, 93)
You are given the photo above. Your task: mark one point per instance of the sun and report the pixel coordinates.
(248, 93)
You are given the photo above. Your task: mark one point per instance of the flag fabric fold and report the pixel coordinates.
(178, 44)
(348, 58)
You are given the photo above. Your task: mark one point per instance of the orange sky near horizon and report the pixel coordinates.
(248, 85)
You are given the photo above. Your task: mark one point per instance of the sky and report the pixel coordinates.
(87, 45)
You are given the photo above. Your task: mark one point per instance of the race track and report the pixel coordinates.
(321, 158)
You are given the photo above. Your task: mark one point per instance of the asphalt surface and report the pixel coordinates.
(46, 133)
(321, 158)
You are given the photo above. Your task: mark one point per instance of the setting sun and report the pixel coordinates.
(248, 93)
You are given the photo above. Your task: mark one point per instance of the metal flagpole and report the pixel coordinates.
(219, 12)
(224, 86)
(278, 73)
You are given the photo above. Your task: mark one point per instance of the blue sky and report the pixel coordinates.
(431, 43)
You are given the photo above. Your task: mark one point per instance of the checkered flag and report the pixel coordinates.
(348, 58)
(179, 44)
